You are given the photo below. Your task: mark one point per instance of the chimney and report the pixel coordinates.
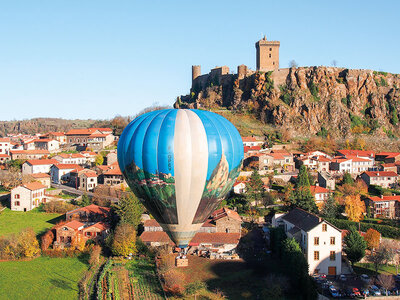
(381, 196)
(317, 184)
(377, 173)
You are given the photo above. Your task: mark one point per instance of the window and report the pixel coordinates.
(324, 227)
(316, 255)
(332, 240)
(16, 203)
(316, 240)
(332, 255)
(270, 49)
(270, 56)
(16, 196)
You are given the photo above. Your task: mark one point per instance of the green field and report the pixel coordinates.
(15, 221)
(41, 278)
(368, 268)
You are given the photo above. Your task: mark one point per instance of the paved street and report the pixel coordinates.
(71, 190)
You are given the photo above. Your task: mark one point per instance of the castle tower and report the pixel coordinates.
(242, 71)
(267, 55)
(196, 72)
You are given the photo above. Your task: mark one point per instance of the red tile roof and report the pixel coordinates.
(40, 175)
(100, 225)
(29, 151)
(92, 208)
(151, 223)
(318, 189)
(115, 171)
(95, 135)
(385, 198)
(3, 140)
(215, 238)
(249, 139)
(389, 165)
(90, 174)
(81, 131)
(74, 224)
(38, 162)
(55, 133)
(33, 186)
(71, 155)
(222, 212)
(381, 173)
(363, 153)
(67, 166)
(4, 155)
(155, 236)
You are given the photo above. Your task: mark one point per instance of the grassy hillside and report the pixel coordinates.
(41, 278)
(15, 221)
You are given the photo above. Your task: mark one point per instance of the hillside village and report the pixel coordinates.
(314, 197)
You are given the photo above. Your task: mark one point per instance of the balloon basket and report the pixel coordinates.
(181, 260)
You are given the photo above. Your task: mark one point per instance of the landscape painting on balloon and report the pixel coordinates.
(216, 189)
(158, 190)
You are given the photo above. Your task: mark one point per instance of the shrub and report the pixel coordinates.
(47, 240)
(60, 207)
(313, 90)
(173, 282)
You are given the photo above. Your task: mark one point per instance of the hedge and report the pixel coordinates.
(386, 230)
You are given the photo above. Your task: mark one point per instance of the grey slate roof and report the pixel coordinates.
(302, 219)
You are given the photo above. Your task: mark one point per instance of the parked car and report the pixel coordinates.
(334, 292)
(365, 292)
(364, 277)
(356, 292)
(374, 290)
(395, 291)
(342, 277)
(349, 294)
(385, 292)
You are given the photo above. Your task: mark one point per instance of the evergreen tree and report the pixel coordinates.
(85, 200)
(355, 245)
(303, 178)
(255, 187)
(129, 210)
(303, 198)
(347, 179)
(330, 209)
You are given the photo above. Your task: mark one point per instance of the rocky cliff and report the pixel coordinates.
(309, 100)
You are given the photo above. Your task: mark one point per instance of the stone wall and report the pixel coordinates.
(226, 224)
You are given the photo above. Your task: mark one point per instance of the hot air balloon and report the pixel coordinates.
(181, 163)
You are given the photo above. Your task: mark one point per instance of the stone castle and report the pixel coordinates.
(267, 59)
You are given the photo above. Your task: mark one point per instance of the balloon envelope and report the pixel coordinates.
(181, 163)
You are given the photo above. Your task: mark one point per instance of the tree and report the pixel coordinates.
(386, 281)
(330, 209)
(354, 208)
(255, 187)
(99, 160)
(293, 64)
(303, 198)
(347, 179)
(268, 199)
(85, 200)
(303, 179)
(355, 245)
(373, 238)
(47, 240)
(124, 240)
(129, 209)
(95, 255)
(28, 244)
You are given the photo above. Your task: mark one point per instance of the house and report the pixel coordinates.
(249, 141)
(239, 187)
(357, 153)
(283, 159)
(29, 145)
(75, 231)
(90, 135)
(33, 166)
(58, 136)
(5, 146)
(90, 156)
(320, 194)
(28, 154)
(61, 173)
(88, 181)
(359, 164)
(387, 207)
(90, 213)
(43, 178)
(4, 158)
(111, 158)
(341, 165)
(389, 167)
(71, 158)
(28, 196)
(326, 180)
(381, 178)
(220, 233)
(100, 140)
(320, 241)
(47, 144)
(388, 157)
(113, 177)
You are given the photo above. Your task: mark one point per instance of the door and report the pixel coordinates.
(332, 271)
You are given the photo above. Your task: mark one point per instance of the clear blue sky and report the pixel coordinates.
(97, 59)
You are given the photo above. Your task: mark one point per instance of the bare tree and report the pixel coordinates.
(386, 281)
(334, 62)
(293, 64)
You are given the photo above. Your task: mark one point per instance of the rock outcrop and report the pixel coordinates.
(310, 100)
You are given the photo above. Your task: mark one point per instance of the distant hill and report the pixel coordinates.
(306, 101)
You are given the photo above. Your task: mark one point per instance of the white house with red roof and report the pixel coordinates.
(5, 145)
(341, 165)
(47, 144)
(250, 141)
(90, 213)
(88, 181)
(90, 136)
(239, 187)
(33, 166)
(61, 173)
(28, 154)
(382, 178)
(4, 158)
(28, 196)
(366, 154)
(54, 135)
(43, 178)
(387, 207)
(71, 158)
(320, 194)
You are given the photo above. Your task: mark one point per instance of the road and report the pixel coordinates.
(73, 191)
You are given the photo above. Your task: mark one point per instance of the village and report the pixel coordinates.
(325, 202)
